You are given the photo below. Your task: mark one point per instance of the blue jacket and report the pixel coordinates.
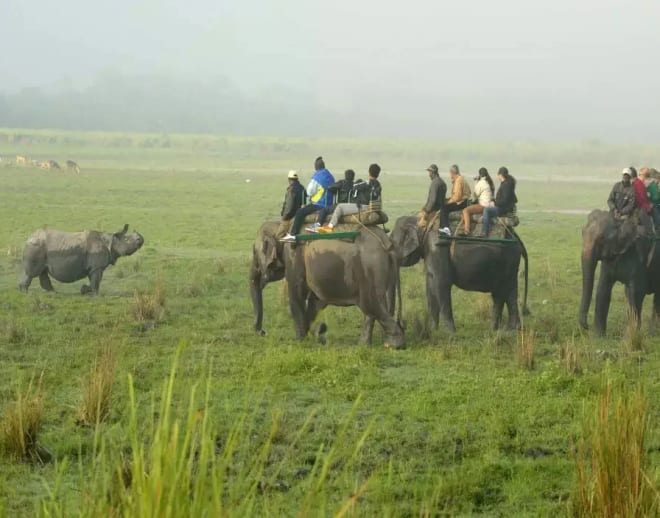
(318, 191)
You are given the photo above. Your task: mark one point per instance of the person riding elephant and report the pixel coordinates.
(505, 200)
(294, 199)
(626, 257)
(460, 194)
(363, 273)
(621, 200)
(341, 192)
(484, 266)
(362, 195)
(435, 200)
(319, 196)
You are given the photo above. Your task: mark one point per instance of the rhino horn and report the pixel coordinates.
(123, 230)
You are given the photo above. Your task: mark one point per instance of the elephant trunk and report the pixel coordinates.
(589, 261)
(256, 293)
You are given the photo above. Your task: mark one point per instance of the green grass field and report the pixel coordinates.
(451, 426)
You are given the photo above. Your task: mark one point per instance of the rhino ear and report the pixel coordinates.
(123, 231)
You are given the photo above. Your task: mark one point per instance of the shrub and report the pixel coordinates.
(610, 474)
(525, 348)
(634, 339)
(97, 391)
(22, 423)
(150, 306)
(569, 357)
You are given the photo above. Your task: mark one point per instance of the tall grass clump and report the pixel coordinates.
(570, 357)
(611, 479)
(634, 339)
(97, 390)
(175, 466)
(22, 422)
(150, 305)
(526, 345)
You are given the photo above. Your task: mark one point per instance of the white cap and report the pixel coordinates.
(627, 171)
(293, 175)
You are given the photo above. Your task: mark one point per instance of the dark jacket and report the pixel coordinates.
(293, 200)
(505, 199)
(364, 192)
(437, 194)
(341, 190)
(622, 198)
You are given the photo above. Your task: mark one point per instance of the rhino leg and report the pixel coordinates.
(94, 283)
(25, 283)
(44, 280)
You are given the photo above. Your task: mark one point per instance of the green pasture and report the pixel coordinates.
(453, 425)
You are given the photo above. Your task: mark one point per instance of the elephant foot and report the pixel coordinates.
(22, 287)
(395, 342)
(321, 333)
(86, 290)
(260, 332)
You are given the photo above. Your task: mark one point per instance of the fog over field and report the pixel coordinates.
(551, 70)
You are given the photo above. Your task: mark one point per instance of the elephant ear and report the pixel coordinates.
(410, 248)
(267, 252)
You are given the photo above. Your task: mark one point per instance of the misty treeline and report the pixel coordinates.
(154, 104)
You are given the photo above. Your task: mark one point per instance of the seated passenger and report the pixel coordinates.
(505, 200)
(341, 191)
(435, 199)
(621, 200)
(483, 196)
(460, 192)
(362, 195)
(319, 197)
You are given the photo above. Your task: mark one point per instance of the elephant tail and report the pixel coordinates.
(399, 303)
(525, 308)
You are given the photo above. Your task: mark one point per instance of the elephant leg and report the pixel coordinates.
(498, 307)
(603, 299)
(367, 330)
(512, 307)
(635, 298)
(298, 307)
(655, 317)
(433, 301)
(314, 306)
(446, 311)
(44, 280)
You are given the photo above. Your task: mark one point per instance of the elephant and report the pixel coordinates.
(339, 272)
(626, 257)
(472, 266)
(267, 266)
(72, 256)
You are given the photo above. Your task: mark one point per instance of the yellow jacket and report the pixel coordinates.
(460, 190)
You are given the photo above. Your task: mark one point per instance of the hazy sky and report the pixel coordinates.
(517, 65)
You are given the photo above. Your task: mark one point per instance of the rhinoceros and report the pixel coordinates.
(72, 256)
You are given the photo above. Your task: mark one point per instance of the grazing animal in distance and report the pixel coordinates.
(72, 256)
(53, 164)
(72, 166)
(43, 165)
(22, 160)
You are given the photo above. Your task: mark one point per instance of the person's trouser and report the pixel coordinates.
(301, 214)
(343, 209)
(467, 214)
(656, 217)
(323, 215)
(450, 207)
(489, 213)
(646, 221)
